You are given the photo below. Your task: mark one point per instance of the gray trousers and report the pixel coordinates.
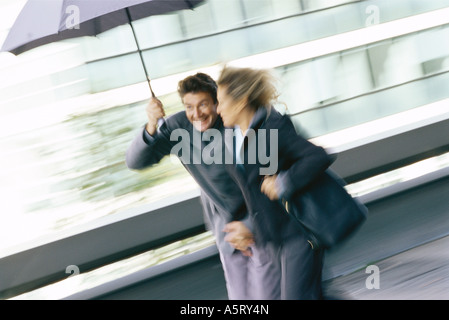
(289, 271)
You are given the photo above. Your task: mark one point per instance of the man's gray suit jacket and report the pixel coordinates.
(221, 197)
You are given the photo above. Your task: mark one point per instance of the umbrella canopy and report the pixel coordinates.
(45, 21)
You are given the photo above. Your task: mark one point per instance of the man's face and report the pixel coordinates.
(200, 110)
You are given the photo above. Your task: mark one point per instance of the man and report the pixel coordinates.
(223, 204)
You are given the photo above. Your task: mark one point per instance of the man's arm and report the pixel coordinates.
(146, 150)
(151, 143)
(155, 111)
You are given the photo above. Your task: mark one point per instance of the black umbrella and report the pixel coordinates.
(45, 21)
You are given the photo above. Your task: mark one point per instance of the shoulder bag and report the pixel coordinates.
(326, 211)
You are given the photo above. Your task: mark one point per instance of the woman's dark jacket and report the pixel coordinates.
(299, 162)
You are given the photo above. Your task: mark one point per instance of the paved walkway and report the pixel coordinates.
(421, 273)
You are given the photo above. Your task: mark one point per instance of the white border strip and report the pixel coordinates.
(385, 127)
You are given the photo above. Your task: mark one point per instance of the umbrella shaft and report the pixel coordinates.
(139, 51)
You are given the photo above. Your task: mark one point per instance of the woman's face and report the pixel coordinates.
(228, 108)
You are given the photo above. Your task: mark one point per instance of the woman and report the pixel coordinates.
(245, 100)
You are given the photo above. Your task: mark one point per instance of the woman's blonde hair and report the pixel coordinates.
(257, 85)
